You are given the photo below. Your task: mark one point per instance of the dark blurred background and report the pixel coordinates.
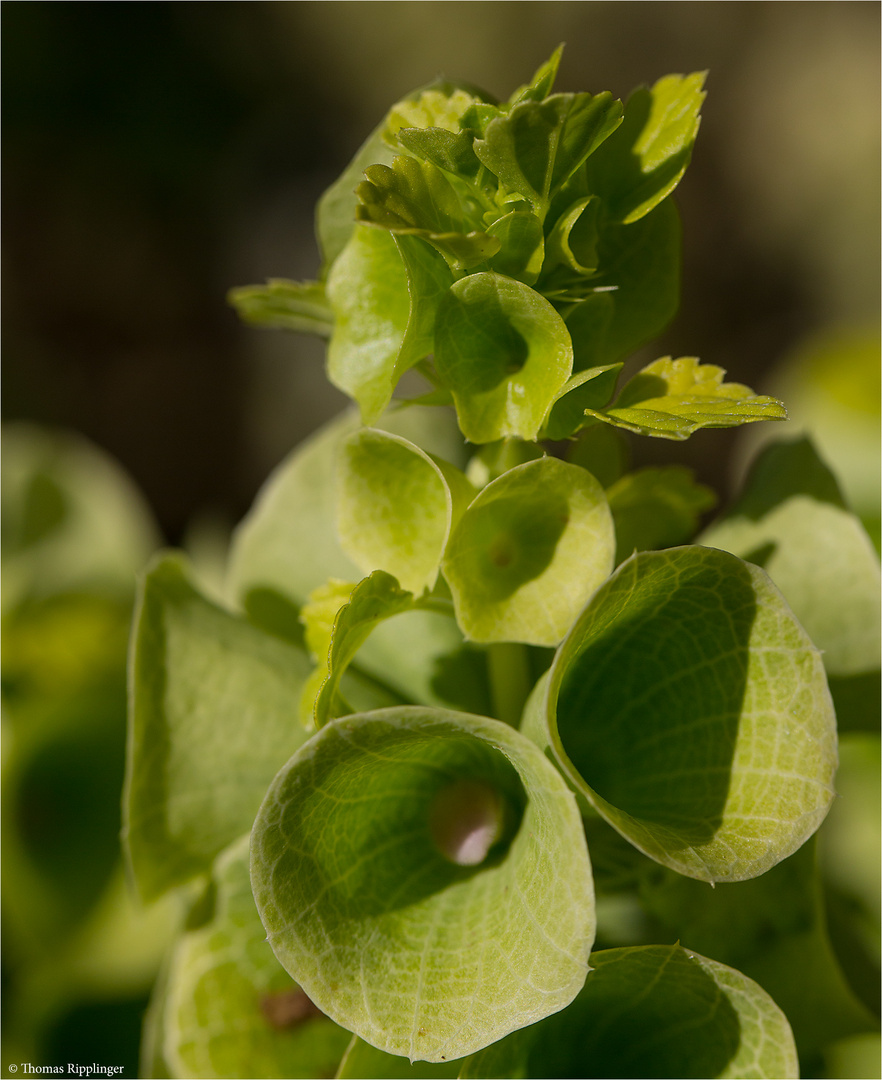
(157, 154)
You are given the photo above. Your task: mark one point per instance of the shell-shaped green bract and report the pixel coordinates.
(390, 935)
(691, 709)
(652, 1010)
(201, 681)
(394, 508)
(528, 552)
(504, 352)
(791, 519)
(288, 546)
(231, 1008)
(367, 287)
(774, 929)
(363, 1060)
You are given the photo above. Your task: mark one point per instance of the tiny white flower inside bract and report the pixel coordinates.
(466, 820)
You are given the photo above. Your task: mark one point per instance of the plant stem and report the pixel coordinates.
(439, 604)
(508, 665)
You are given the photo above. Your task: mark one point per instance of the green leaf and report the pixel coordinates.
(367, 288)
(291, 305)
(589, 389)
(791, 520)
(335, 213)
(416, 953)
(371, 601)
(671, 399)
(415, 197)
(539, 87)
(448, 150)
(573, 242)
(319, 613)
(657, 508)
(318, 616)
(537, 146)
(691, 709)
(288, 546)
(363, 1060)
(636, 289)
(504, 352)
(652, 1010)
(528, 553)
(395, 509)
(428, 279)
(439, 105)
(645, 159)
(232, 1009)
(202, 683)
(476, 118)
(522, 246)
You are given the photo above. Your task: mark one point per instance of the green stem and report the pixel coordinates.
(509, 670)
(439, 604)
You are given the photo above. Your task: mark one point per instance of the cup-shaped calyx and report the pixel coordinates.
(423, 875)
(652, 1010)
(396, 506)
(230, 1008)
(528, 552)
(691, 709)
(504, 352)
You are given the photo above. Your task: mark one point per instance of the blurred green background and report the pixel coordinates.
(157, 154)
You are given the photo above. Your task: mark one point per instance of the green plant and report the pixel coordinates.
(79, 959)
(491, 651)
